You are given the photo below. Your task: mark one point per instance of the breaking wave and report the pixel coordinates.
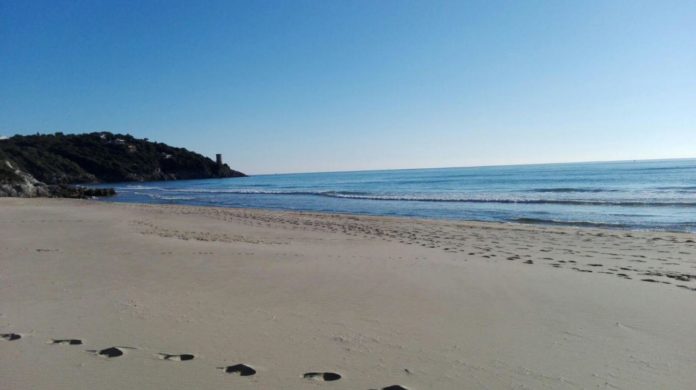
(427, 198)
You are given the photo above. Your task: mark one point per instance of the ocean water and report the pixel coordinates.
(642, 195)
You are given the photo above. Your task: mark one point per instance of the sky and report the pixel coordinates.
(308, 86)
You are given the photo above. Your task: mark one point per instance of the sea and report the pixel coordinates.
(635, 195)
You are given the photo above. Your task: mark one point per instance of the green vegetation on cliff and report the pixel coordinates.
(100, 158)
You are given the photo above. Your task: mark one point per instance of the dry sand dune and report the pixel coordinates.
(116, 296)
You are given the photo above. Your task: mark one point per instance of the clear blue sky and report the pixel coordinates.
(292, 86)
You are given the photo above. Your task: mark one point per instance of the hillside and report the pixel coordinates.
(63, 159)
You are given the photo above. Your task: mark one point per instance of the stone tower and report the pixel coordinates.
(218, 160)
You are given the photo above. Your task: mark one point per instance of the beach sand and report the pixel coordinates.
(378, 301)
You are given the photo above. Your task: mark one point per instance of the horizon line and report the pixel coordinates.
(476, 166)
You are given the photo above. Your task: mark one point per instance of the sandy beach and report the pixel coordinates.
(190, 298)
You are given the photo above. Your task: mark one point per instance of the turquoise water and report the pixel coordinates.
(649, 195)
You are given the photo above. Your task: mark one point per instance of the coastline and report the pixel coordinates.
(522, 222)
(631, 196)
(380, 300)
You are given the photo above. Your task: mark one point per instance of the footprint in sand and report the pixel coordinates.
(393, 387)
(111, 352)
(10, 336)
(177, 358)
(239, 369)
(67, 341)
(322, 376)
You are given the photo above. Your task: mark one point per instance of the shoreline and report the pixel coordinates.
(378, 300)
(642, 196)
(550, 224)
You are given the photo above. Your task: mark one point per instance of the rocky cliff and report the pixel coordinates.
(46, 165)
